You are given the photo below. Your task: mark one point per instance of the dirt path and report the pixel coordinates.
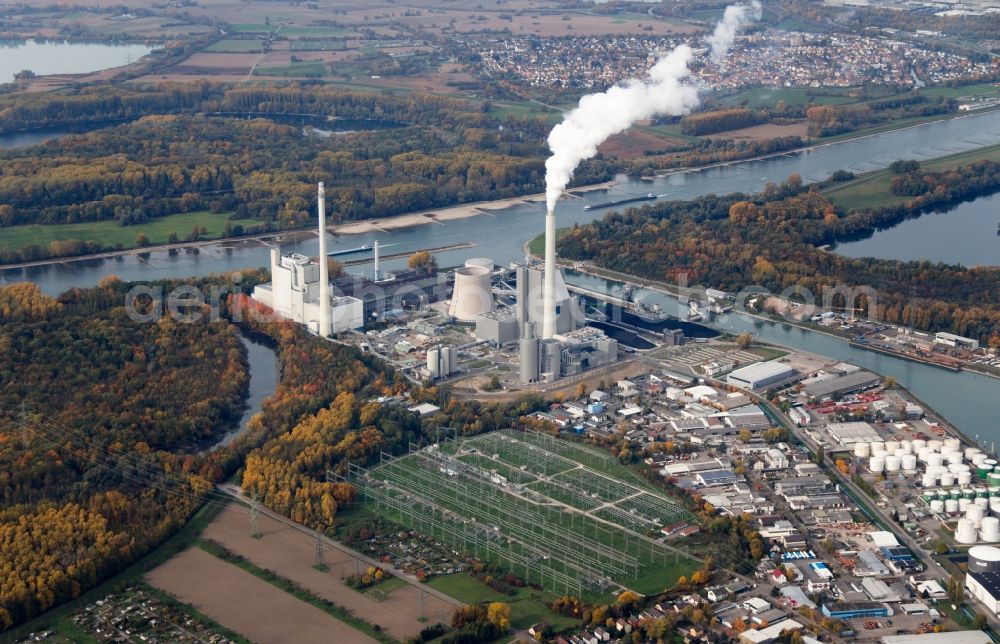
(290, 553)
(245, 604)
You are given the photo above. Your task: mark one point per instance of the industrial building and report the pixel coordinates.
(761, 375)
(944, 637)
(957, 341)
(851, 610)
(820, 389)
(983, 577)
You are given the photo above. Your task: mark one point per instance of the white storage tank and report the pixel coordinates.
(937, 506)
(934, 459)
(862, 450)
(909, 462)
(935, 445)
(947, 479)
(878, 447)
(965, 531)
(953, 443)
(891, 446)
(901, 452)
(995, 505)
(892, 463)
(970, 452)
(976, 514)
(982, 502)
(990, 531)
(979, 459)
(918, 444)
(963, 505)
(964, 478)
(937, 470)
(951, 506)
(928, 480)
(877, 464)
(955, 458)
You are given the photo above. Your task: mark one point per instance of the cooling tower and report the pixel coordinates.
(472, 295)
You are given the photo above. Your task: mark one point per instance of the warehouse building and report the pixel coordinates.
(841, 385)
(850, 610)
(761, 375)
(946, 637)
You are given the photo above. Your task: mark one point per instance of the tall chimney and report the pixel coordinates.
(549, 312)
(376, 261)
(324, 269)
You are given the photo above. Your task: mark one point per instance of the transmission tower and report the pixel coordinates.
(25, 427)
(255, 517)
(320, 560)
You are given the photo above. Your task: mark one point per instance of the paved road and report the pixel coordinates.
(236, 493)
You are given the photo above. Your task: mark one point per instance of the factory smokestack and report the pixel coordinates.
(667, 90)
(376, 274)
(324, 269)
(549, 293)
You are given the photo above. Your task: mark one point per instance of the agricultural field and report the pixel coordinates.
(563, 515)
(110, 234)
(872, 190)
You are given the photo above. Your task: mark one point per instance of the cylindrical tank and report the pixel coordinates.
(909, 462)
(948, 479)
(918, 444)
(968, 493)
(965, 531)
(965, 478)
(935, 445)
(928, 480)
(976, 513)
(993, 479)
(942, 494)
(955, 458)
(937, 506)
(877, 464)
(928, 496)
(472, 295)
(982, 491)
(900, 452)
(990, 533)
(953, 443)
(862, 450)
(924, 454)
(970, 452)
(955, 468)
(951, 506)
(433, 363)
(963, 505)
(983, 503)
(906, 446)
(994, 491)
(892, 463)
(955, 493)
(935, 459)
(995, 505)
(449, 361)
(891, 446)
(878, 447)
(979, 459)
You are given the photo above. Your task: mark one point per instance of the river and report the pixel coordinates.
(61, 57)
(965, 399)
(966, 234)
(263, 366)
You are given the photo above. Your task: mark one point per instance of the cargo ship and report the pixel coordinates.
(620, 202)
(348, 251)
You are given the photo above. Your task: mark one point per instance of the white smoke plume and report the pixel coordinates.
(736, 17)
(598, 116)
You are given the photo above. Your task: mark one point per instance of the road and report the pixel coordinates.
(236, 493)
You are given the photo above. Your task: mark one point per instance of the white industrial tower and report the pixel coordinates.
(549, 312)
(324, 269)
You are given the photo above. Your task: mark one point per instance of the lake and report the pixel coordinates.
(55, 57)
(966, 234)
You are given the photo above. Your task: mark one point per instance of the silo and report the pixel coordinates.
(951, 506)
(892, 463)
(877, 464)
(909, 462)
(989, 533)
(450, 357)
(433, 363)
(937, 506)
(472, 294)
(528, 350)
(862, 450)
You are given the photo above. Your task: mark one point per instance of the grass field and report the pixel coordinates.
(872, 190)
(527, 605)
(236, 46)
(311, 68)
(110, 234)
(582, 526)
